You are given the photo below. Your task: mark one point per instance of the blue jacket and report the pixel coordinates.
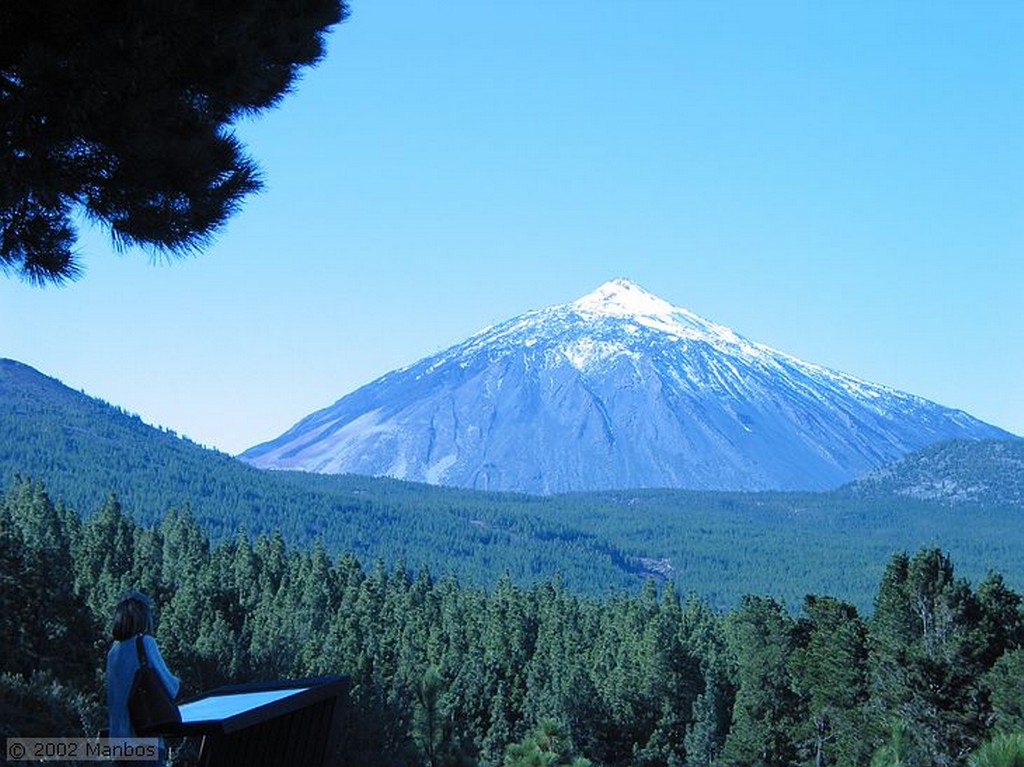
(122, 663)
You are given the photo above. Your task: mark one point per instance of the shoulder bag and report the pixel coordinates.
(149, 704)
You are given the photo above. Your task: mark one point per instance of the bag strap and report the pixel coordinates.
(141, 650)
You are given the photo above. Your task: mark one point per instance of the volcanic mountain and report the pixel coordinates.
(618, 389)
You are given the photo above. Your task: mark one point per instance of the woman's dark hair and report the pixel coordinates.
(133, 615)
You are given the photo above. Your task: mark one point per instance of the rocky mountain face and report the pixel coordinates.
(616, 389)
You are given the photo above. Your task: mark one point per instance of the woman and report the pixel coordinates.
(132, 616)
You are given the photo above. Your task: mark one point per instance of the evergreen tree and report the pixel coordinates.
(925, 651)
(711, 714)
(105, 558)
(899, 749)
(546, 745)
(433, 724)
(122, 111)
(15, 602)
(766, 710)
(47, 628)
(1004, 750)
(1000, 626)
(1006, 682)
(829, 666)
(710, 721)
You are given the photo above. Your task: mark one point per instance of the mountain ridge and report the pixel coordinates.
(83, 450)
(616, 389)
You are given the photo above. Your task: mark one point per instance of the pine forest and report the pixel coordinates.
(449, 673)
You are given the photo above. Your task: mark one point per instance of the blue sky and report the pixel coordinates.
(843, 181)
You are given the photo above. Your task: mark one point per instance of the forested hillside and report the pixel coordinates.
(987, 473)
(720, 545)
(446, 673)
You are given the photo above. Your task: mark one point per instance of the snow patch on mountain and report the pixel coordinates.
(585, 353)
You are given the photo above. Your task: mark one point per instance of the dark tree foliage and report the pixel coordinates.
(930, 645)
(829, 667)
(122, 110)
(767, 710)
(1006, 681)
(450, 675)
(45, 626)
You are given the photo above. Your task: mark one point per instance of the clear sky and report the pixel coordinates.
(843, 181)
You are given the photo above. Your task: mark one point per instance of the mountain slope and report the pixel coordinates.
(83, 449)
(617, 389)
(987, 473)
(719, 545)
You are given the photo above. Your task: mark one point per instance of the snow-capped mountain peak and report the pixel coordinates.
(626, 300)
(623, 298)
(616, 389)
